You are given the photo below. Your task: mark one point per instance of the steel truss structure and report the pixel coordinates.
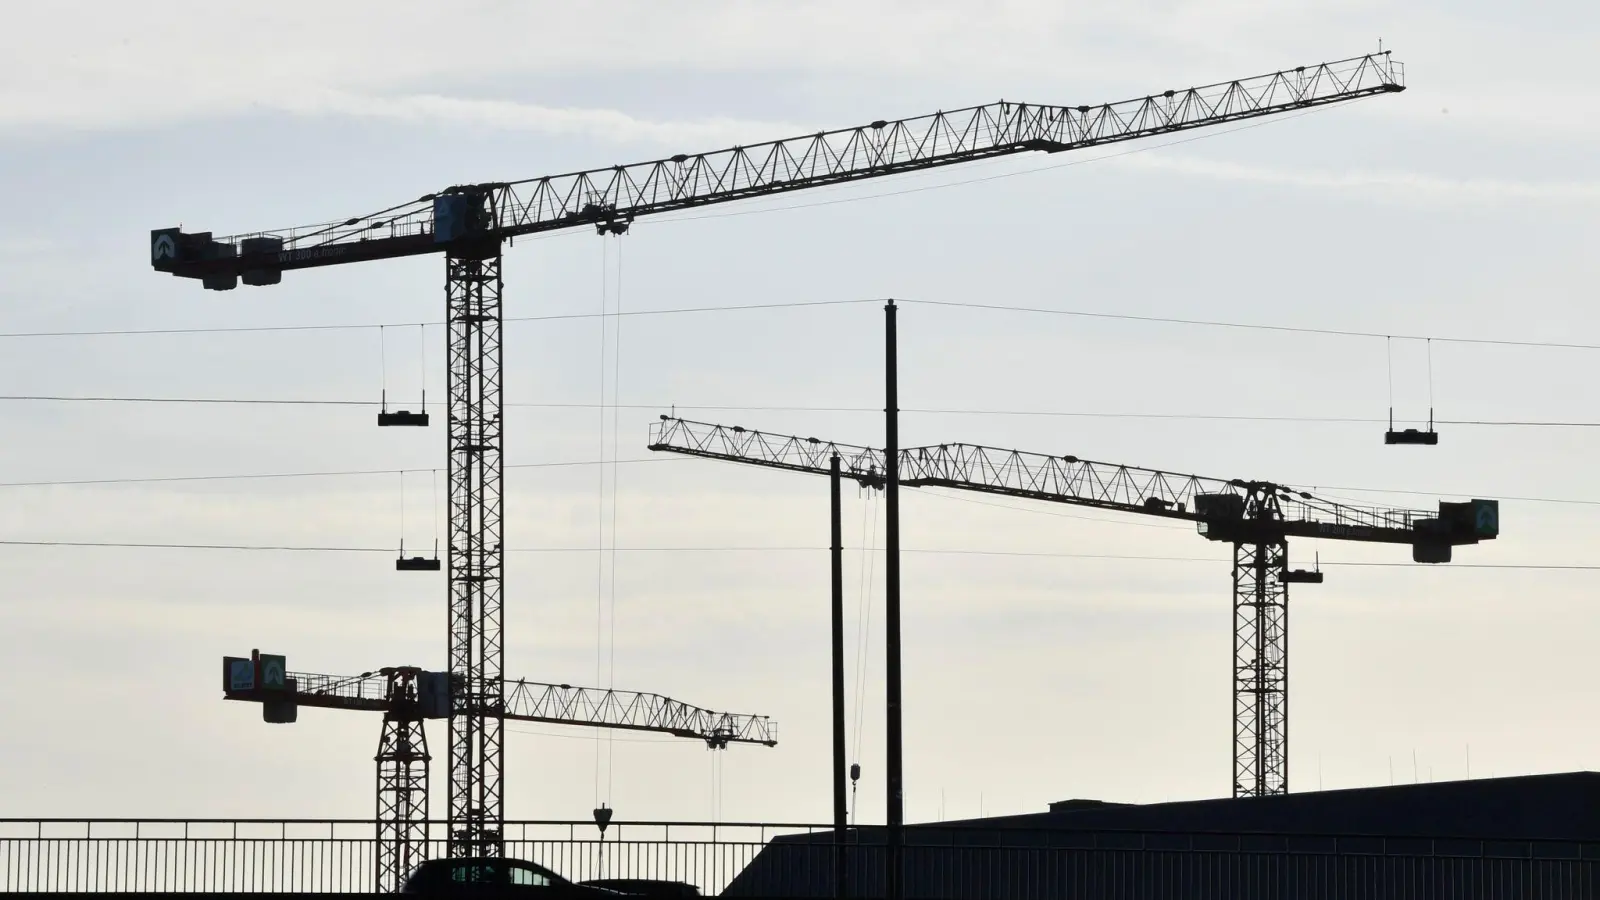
(470, 224)
(615, 195)
(403, 758)
(476, 560)
(1260, 670)
(537, 701)
(1257, 517)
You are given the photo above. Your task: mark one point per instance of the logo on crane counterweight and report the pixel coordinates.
(241, 674)
(163, 247)
(272, 672)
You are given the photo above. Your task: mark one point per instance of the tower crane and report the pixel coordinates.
(407, 696)
(1256, 517)
(470, 224)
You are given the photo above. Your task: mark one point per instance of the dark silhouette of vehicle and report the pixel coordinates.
(497, 877)
(646, 887)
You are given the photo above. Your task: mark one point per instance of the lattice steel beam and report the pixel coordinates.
(1260, 670)
(1039, 476)
(476, 552)
(561, 703)
(403, 758)
(617, 194)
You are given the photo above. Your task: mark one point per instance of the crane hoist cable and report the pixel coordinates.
(606, 600)
(616, 499)
(600, 505)
(869, 556)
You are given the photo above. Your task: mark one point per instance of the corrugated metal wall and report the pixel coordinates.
(1547, 871)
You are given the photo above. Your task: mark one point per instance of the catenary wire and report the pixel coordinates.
(166, 479)
(1254, 326)
(356, 326)
(1086, 314)
(1216, 417)
(935, 551)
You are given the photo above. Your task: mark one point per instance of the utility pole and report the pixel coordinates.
(840, 811)
(891, 459)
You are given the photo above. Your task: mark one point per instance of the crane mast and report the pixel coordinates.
(470, 225)
(1257, 517)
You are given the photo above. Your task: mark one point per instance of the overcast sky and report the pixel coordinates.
(1465, 207)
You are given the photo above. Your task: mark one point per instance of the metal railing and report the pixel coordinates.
(340, 855)
(790, 860)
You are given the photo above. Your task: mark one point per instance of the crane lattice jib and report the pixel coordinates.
(776, 451)
(561, 704)
(531, 702)
(621, 193)
(1147, 491)
(1060, 479)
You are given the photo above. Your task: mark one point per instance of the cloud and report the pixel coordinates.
(81, 64)
(605, 124)
(1409, 185)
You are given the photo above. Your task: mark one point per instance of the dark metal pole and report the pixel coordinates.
(1262, 724)
(891, 463)
(840, 810)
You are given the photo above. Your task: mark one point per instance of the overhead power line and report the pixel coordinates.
(941, 551)
(994, 307)
(333, 473)
(337, 473)
(1048, 413)
(1256, 326)
(366, 326)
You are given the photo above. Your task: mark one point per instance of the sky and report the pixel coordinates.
(1041, 662)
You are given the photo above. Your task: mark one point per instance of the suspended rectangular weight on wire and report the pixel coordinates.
(416, 564)
(1300, 576)
(1411, 436)
(402, 417)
